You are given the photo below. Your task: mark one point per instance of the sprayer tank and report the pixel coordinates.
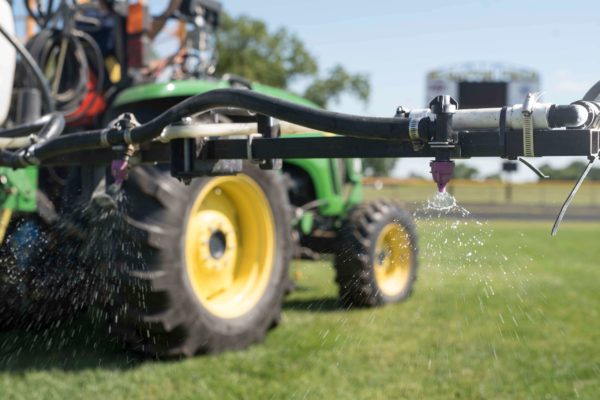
(7, 65)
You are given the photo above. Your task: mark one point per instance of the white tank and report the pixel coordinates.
(8, 61)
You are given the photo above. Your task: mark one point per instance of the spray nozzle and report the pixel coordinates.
(442, 173)
(119, 169)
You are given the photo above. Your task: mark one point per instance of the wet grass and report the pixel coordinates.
(524, 326)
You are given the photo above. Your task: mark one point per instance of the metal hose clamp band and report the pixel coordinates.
(127, 136)
(413, 129)
(27, 157)
(413, 133)
(104, 138)
(527, 112)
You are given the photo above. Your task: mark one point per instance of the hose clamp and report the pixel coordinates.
(527, 113)
(27, 157)
(413, 129)
(104, 137)
(127, 136)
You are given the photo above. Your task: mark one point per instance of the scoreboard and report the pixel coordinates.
(482, 85)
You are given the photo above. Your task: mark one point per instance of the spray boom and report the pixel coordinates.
(442, 132)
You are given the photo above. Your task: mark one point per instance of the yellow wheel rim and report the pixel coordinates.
(230, 245)
(393, 259)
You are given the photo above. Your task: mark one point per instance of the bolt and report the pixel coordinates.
(401, 111)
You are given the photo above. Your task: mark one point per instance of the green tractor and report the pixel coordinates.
(205, 264)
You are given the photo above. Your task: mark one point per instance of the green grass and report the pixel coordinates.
(517, 318)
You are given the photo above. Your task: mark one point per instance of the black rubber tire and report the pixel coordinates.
(355, 253)
(156, 312)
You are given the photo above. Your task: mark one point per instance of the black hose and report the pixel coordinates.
(40, 19)
(319, 120)
(53, 126)
(71, 143)
(98, 62)
(52, 129)
(33, 68)
(13, 160)
(44, 46)
(25, 129)
(82, 51)
(22, 130)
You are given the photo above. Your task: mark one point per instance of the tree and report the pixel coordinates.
(247, 48)
(570, 172)
(336, 83)
(378, 166)
(493, 177)
(463, 171)
(279, 58)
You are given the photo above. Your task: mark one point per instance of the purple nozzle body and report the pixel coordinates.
(442, 173)
(119, 169)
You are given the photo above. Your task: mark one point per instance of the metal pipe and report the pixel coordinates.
(226, 129)
(543, 114)
(17, 142)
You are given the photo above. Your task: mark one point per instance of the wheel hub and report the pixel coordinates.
(217, 244)
(217, 241)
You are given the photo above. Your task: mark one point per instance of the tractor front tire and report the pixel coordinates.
(213, 262)
(376, 256)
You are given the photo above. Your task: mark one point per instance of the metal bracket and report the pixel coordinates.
(268, 128)
(567, 203)
(249, 155)
(533, 168)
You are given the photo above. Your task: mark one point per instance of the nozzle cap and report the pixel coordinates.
(441, 171)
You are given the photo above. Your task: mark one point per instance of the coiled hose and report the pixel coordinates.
(67, 50)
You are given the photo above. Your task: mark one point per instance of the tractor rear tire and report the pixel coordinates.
(376, 258)
(212, 264)
(41, 282)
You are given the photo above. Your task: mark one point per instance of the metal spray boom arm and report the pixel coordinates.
(442, 132)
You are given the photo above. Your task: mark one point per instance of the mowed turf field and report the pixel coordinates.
(500, 311)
